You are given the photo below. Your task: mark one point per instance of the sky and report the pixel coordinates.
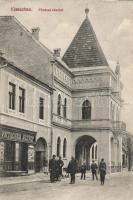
(112, 21)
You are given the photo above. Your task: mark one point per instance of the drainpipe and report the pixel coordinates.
(51, 139)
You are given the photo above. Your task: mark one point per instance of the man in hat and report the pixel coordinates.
(72, 169)
(94, 170)
(102, 170)
(52, 169)
(60, 164)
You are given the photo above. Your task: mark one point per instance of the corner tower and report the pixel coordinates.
(96, 101)
(85, 50)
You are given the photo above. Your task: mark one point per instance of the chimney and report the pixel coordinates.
(57, 52)
(35, 32)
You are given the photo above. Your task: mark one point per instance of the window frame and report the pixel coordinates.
(41, 108)
(59, 105)
(65, 108)
(86, 108)
(22, 100)
(12, 96)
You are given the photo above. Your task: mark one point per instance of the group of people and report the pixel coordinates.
(101, 169)
(55, 168)
(72, 169)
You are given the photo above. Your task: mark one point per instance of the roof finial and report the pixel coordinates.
(86, 12)
(117, 69)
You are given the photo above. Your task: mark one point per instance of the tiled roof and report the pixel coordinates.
(85, 51)
(24, 50)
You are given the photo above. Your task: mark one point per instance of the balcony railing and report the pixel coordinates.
(61, 121)
(92, 124)
(115, 126)
(118, 125)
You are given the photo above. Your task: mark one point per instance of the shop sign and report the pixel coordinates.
(28, 138)
(31, 154)
(21, 137)
(1, 151)
(10, 136)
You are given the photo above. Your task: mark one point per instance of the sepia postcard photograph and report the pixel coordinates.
(66, 99)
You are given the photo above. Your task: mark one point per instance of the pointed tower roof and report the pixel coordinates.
(85, 50)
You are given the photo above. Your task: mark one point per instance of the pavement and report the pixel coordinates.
(118, 186)
(24, 179)
(38, 177)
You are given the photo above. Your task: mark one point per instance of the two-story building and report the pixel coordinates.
(25, 103)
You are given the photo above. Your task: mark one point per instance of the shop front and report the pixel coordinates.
(17, 152)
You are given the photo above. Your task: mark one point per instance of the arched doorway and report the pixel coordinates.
(41, 154)
(94, 153)
(82, 150)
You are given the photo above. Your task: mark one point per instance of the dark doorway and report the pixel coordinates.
(24, 157)
(39, 161)
(41, 154)
(82, 150)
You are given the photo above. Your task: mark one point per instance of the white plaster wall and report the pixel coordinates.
(32, 94)
(99, 105)
(64, 94)
(62, 133)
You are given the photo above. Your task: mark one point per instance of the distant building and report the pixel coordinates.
(72, 105)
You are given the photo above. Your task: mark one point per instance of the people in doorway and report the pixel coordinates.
(53, 169)
(94, 168)
(72, 169)
(60, 164)
(102, 170)
(83, 171)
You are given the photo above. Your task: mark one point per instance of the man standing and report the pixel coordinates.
(94, 170)
(83, 171)
(72, 169)
(102, 170)
(52, 169)
(60, 164)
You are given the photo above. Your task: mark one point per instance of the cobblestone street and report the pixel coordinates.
(117, 186)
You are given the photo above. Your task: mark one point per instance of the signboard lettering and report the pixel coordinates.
(21, 137)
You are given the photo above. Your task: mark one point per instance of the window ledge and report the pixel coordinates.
(11, 111)
(41, 121)
(21, 114)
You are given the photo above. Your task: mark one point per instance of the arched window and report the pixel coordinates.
(86, 110)
(96, 152)
(64, 148)
(93, 152)
(117, 115)
(65, 108)
(59, 105)
(58, 146)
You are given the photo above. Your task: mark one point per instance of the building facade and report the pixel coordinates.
(25, 117)
(68, 106)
